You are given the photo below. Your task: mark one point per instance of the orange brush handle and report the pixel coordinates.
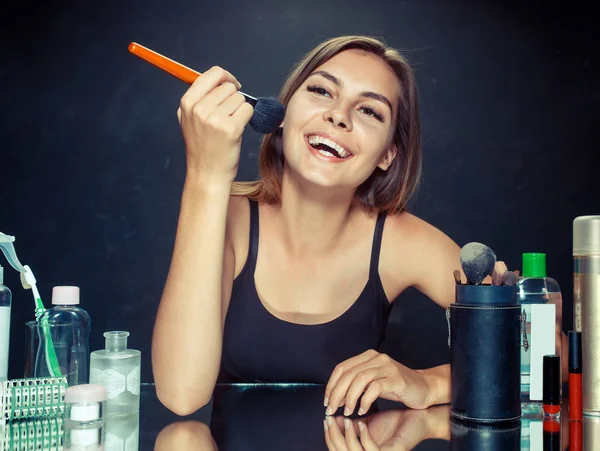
(168, 65)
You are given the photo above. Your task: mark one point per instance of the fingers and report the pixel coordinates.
(212, 78)
(232, 103)
(216, 81)
(344, 382)
(352, 443)
(340, 370)
(376, 388)
(244, 113)
(366, 440)
(334, 438)
(357, 388)
(222, 93)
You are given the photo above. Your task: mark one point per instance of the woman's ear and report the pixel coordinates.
(388, 158)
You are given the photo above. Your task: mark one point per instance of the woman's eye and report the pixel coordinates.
(370, 112)
(318, 90)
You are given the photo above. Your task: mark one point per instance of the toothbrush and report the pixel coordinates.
(29, 283)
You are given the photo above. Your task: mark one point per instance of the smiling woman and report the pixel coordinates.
(384, 190)
(290, 278)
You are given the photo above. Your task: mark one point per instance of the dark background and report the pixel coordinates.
(92, 160)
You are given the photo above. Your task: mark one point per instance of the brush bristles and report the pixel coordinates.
(499, 273)
(268, 115)
(477, 261)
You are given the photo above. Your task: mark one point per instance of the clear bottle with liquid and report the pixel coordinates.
(66, 310)
(5, 305)
(117, 368)
(541, 301)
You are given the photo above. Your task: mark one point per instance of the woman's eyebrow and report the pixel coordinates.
(368, 94)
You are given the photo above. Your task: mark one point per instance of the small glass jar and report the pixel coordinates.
(85, 404)
(84, 418)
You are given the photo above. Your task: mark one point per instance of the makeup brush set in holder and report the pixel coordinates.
(484, 338)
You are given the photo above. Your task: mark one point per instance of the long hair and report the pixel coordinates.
(383, 191)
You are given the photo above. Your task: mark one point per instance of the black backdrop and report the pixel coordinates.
(92, 162)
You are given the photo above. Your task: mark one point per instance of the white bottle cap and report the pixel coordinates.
(586, 235)
(65, 295)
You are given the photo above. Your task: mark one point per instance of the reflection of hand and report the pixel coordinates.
(185, 435)
(392, 430)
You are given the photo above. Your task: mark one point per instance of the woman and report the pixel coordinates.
(305, 296)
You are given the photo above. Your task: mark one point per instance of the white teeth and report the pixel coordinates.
(324, 152)
(316, 139)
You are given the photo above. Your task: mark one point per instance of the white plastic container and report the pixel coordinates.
(5, 306)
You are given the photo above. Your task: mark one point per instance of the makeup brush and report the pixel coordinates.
(510, 279)
(499, 273)
(477, 261)
(457, 278)
(268, 111)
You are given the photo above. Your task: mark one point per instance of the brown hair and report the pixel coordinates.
(386, 191)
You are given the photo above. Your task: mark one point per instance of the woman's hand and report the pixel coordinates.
(374, 375)
(396, 430)
(212, 115)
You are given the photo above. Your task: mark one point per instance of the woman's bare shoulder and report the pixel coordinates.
(416, 253)
(409, 230)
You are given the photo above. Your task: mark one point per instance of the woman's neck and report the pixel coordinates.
(314, 220)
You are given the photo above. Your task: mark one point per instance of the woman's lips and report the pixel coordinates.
(326, 158)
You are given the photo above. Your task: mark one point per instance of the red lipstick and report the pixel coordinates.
(575, 403)
(551, 389)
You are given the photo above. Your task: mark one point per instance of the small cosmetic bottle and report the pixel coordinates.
(84, 418)
(85, 404)
(575, 378)
(551, 386)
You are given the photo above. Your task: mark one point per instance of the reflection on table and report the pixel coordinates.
(291, 416)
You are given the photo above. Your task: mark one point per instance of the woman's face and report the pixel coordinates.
(346, 106)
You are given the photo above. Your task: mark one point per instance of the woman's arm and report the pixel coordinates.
(188, 335)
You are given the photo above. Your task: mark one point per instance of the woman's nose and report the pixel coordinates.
(339, 119)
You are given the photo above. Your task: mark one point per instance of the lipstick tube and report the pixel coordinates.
(575, 436)
(552, 434)
(551, 387)
(575, 378)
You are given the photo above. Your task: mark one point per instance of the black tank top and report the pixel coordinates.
(259, 347)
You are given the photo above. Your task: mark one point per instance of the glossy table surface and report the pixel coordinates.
(291, 417)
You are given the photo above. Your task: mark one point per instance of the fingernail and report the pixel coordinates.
(347, 411)
(326, 402)
(325, 425)
(361, 411)
(329, 420)
(361, 426)
(347, 423)
(329, 411)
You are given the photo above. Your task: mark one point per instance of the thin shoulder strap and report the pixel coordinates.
(253, 245)
(375, 250)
